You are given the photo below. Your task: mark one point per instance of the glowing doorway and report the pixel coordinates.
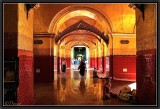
(77, 53)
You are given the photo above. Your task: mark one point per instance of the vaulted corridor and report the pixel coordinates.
(115, 40)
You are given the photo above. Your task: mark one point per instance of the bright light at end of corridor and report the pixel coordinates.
(132, 86)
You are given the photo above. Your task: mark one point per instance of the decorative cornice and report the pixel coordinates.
(43, 35)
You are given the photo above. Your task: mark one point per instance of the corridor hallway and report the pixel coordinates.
(115, 38)
(71, 89)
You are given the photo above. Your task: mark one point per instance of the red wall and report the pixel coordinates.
(43, 58)
(93, 62)
(45, 64)
(26, 86)
(68, 60)
(99, 63)
(111, 65)
(120, 62)
(146, 93)
(104, 64)
(25, 90)
(117, 63)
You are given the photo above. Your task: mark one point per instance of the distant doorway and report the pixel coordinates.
(77, 53)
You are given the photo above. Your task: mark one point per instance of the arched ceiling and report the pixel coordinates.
(75, 19)
(80, 38)
(90, 44)
(73, 14)
(87, 43)
(80, 35)
(79, 30)
(107, 18)
(113, 17)
(81, 25)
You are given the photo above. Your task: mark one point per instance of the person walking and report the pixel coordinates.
(82, 67)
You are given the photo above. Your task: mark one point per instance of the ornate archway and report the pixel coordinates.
(81, 25)
(92, 35)
(84, 10)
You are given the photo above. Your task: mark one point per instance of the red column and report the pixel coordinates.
(68, 60)
(111, 66)
(91, 62)
(95, 62)
(145, 77)
(98, 63)
(104, 64)
(58, 60)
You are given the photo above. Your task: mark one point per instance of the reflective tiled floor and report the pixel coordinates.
(70, 89)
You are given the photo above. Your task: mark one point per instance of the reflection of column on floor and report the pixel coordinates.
(97, 90)
(99, 93)
(61, 92)
(95, 81)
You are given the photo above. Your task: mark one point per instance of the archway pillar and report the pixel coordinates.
(104, 59)
(68, 58)
(43, 58)
(58, 59)
(95, 58)
(146, 31)
(110, 55)
(90, 59)
(18, 53)
(98, 56)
